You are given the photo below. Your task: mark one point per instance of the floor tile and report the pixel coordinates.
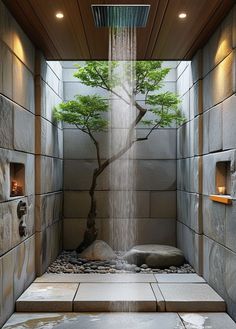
(77, 278)
(179, 278)
(103, 297)
(207, 321)
(191, 297)
(44, 297)
(94, 321)
(159, 297)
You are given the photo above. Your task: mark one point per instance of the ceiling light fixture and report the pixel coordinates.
(59, 15)
(182, 15)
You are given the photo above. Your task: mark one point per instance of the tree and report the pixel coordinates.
(87, 114)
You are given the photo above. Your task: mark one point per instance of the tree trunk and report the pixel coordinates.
(91, 231)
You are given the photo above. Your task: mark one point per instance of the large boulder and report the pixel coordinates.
(98, 250)
(155, 256)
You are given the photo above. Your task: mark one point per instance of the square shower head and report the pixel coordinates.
(120, 15)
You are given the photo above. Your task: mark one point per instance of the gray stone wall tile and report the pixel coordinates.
(215, 128)
(196, 66)
(229, 128)
(77, 204)
(50, 177)
(48, 209)
(230, 226)
(7, 71)
(205, 124)
(6, 26)
(191, 244)
(68, 75)
(24, 130)
(181, 67)
(23, 85)
(22, 46)
(214, 220)
(1, 297)
(7, 285)
(184, 81)
(6, 124)
(220, 82)
(50, 142)
(147, 230)
(163, 204)
(185, 105)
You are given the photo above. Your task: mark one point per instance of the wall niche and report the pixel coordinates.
(223, 178)
(17, 179)
(223, 183)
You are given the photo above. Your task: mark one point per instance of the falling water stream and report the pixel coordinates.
(122, 178)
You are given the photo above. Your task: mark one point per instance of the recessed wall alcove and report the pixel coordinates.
(17, 179)
(223, 179)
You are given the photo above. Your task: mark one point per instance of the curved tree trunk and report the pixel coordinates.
(91, 231)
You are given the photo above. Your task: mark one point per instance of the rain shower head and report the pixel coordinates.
(120, 15)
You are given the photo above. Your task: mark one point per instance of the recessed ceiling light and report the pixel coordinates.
(59, 15)
(182, 15)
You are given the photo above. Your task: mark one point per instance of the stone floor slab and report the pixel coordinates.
(47, 297)
(179, 278)
(191, 297)
(207, 321)
(107, 297)
(159, 297)
(94, 321)
(86, 278)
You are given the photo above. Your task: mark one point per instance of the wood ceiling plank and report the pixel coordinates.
(76, 37)
(26, 17)
(206, 31)
(177, 36)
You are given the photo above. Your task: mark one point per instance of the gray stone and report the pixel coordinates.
(230, 226)
(103, 320)
(215, 128)
(23, 47)
(23, 85)
(6, 125)
(163, 204)
(158, 256)
(49, 178)
(50, 139)
(207, 320)
(191, 245)
(24, 137)
(7, 78)
(229, 117)
(196, 66)
(205, 125)
(48, 210)
(214, 220)
(220, 88)
(98, 250)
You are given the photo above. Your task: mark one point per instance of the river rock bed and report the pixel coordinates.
(70, 262)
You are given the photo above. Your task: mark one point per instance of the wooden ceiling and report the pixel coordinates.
(75, 37)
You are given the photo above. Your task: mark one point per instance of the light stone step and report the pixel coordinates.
(120, 321)
(120, 296)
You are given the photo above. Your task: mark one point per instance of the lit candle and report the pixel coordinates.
(221, 189)
(14, 187)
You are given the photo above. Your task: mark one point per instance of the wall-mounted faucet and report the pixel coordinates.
(21, 209)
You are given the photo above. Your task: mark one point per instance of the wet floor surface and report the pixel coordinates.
(120, 321)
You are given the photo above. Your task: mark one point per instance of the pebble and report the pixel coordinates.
(69, 262)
